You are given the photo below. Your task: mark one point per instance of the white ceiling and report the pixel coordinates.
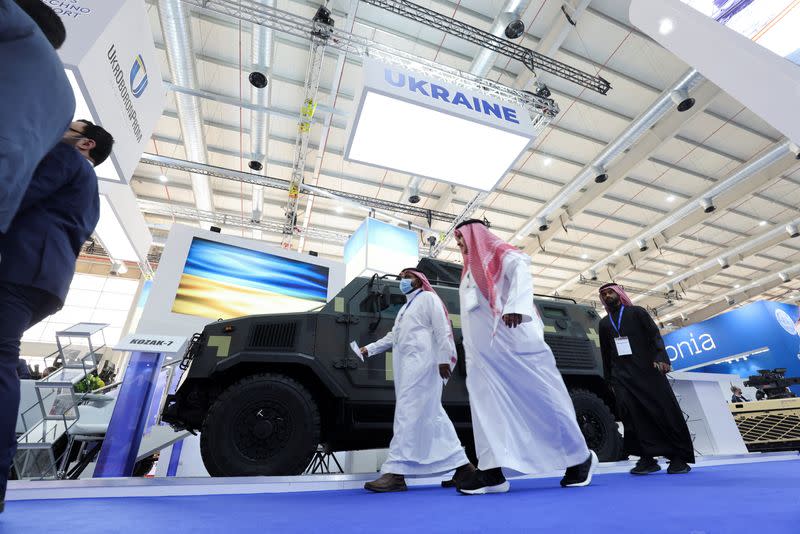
(707, 148)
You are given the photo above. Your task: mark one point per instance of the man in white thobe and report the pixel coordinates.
(522, 415)
(423, 355)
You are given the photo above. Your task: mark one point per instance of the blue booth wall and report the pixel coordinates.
(763, 334)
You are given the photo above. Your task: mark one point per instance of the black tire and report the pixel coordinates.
(264, 424)
(597, 425)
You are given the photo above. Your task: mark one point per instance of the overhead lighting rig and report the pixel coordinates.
(284, 185)
(542, 110)
(671, 295)
(532, 60)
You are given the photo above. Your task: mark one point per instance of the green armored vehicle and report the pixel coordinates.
(265, 391)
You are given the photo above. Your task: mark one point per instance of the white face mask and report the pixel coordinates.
(406, 286)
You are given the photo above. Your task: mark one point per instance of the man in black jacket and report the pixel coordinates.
(636, 362)
(57, 215)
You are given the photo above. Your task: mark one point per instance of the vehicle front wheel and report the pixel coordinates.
(266, 424)
(597, 425)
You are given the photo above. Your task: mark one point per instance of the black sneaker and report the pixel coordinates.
(646, 466)
(482, 482)
(678, 467)
(462, 473)
(580, 475)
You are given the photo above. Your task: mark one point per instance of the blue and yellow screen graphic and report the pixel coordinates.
(222, 281)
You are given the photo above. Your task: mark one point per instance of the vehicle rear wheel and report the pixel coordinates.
(597, 425)
(265, 424)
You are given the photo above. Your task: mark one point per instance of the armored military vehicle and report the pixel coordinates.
(265, 391)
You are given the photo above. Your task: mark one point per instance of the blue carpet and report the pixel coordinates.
(758, 497)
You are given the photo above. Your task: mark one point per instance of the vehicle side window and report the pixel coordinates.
(396, 301)
(388, 303)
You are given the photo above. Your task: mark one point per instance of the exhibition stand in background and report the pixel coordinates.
(205, 276)
(760, 335)
(380, 248)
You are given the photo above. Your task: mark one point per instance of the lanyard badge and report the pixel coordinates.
(623, 343)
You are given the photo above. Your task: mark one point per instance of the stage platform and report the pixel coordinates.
(721, 495)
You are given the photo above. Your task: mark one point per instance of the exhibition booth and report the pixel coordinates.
(143, 413)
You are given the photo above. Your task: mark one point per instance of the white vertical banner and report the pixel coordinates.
(116, 73)
(766, 83)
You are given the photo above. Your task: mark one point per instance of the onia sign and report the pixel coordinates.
(691, 347)
(763, 331)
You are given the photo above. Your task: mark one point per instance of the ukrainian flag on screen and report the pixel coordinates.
(222, 281)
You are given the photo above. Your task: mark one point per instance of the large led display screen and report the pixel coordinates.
(221, 281)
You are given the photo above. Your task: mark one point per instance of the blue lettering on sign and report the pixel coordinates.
(440, 93)
(414, 85)
(401, 78)
(510, 114)
(437, 92)
(460, 99)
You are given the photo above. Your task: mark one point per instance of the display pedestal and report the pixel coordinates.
(709, 417)
(124, 435)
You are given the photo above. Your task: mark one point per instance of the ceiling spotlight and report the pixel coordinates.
(542, 222)
(737, 286)
(593, 275)
(163, 178)
(729, 300)
(258, 79)
(515, 29)
(723, 262)
(682, 99)
(793, 230)
(642, 244)
(670, 273)
(671, 198)
(600, 175)
(762, 223)
(413, 191)
(255, 165)
(584, 256)
(547, 162)
(795, 149)
(784, 277)
(665, 26)
(339, 209)
(542, 91)
(707, 204)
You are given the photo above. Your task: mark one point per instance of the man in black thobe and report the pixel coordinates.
(636, 363)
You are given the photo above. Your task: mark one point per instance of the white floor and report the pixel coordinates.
(150, 487)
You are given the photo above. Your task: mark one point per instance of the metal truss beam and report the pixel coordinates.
(542, 110)
(532, 60)
(173, 210)
(321, 32)
(368, 203)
